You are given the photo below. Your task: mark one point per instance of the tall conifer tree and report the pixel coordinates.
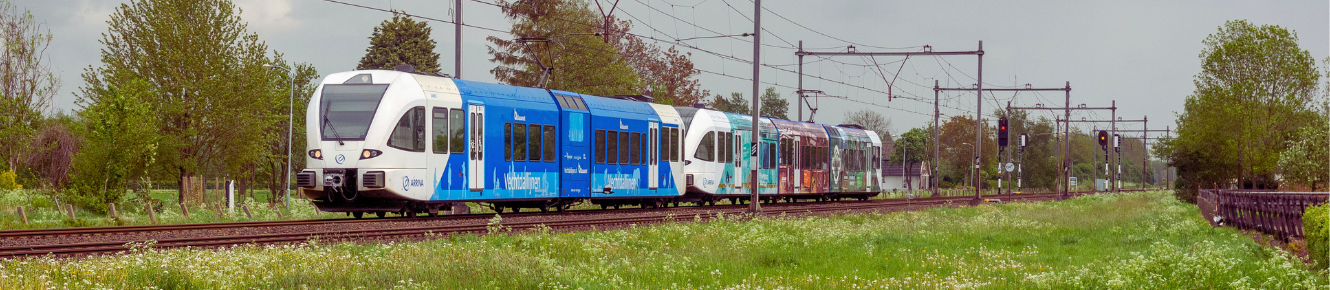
(401, 41)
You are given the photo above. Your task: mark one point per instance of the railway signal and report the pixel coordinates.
(1103, 140)
(1002, 132)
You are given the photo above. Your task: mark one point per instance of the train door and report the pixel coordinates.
(738, 156)
(653, 168)
(476, 166)
(797, 163)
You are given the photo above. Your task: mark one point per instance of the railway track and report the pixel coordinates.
(569, 221)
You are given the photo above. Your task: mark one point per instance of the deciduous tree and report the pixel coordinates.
(27, 83)
(559, 35)
(1254, 90)
(212, 99)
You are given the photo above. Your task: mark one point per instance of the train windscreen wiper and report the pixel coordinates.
(328, 124)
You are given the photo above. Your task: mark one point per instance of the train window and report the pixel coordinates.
(636, 149)
(664, 145)
(549, 143)
(654, 145)
(676, 146)
(409, 133)
(579, 104)
(440, 132)
(533, 140)
(623, 148)
(457, 120)
(507, 141)
(600, 146)
(704, 148)
(519, 142)
(563, 101)
(612, 147)
(727, 147)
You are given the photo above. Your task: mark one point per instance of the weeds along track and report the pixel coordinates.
(107, 240)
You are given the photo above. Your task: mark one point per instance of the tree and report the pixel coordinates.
(870, 120)
(556, 37)
(123, 127)
(1307, 159)
(27, 83)
(401, 40)
(916, 144)
(956, 137)
(773, 105)
(1254, 90)
(736, 103)
(668, 74)
(212, 99)
(50, 155)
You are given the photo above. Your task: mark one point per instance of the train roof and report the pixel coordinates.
(507, 92)
(615, 108)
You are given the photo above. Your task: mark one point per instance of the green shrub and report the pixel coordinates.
(7, 180)
(1314, 225)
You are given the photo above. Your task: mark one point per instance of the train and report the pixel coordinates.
(409, 143)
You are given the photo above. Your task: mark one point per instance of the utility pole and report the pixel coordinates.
(936, 157)
(756, 208)
(457, 43)
(1065, 176)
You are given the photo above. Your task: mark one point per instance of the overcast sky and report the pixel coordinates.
(1141, 54)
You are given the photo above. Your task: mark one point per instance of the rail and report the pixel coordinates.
(1271, 212)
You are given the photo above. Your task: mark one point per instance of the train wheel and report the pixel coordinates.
(358, 214)
(616, 206)
(711, 202)
(380, 214)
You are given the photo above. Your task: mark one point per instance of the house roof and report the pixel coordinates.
(914, 170)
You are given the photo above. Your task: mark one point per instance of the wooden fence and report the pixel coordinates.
(1275, 213)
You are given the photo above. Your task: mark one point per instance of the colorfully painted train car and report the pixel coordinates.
(854, 172)
(804, 173)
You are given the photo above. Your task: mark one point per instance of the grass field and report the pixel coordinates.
(1126, 241)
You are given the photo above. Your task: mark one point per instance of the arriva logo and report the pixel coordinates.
(340, 158)
(518, 117)
(622, 126)
(408, 183)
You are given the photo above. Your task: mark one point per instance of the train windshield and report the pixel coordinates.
(348, 109)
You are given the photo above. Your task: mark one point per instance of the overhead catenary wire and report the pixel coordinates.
(655, 39)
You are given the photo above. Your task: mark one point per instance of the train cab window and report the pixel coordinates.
(507, 141)
(704, 148)
(636, 155)
(600, 146)
(440, 132)
(623, 148)
(612, 147)
(519, 142)
(549, 143)
(457, 123)
(533, 140)
(409, 133)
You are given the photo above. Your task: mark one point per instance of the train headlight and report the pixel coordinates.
(316, 154)
(369, 153)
